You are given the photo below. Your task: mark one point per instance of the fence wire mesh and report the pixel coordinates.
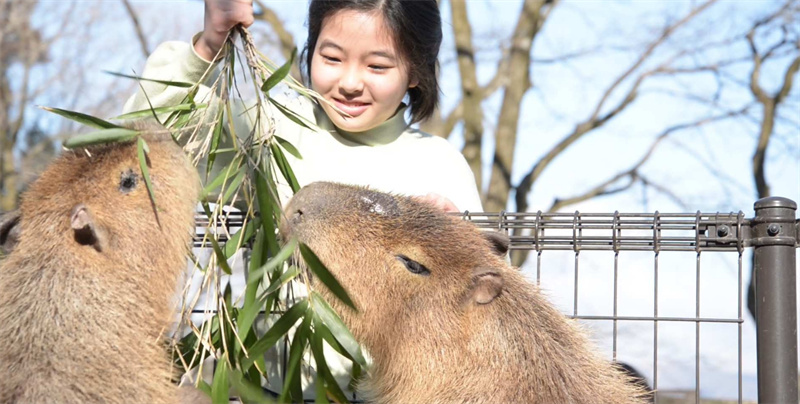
(656, 233)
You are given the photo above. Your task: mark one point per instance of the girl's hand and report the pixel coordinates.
(220, 17)
(439, 201)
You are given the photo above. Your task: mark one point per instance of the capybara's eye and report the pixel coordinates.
(413, 266)
(128, 181)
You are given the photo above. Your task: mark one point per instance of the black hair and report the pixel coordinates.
(416, 28)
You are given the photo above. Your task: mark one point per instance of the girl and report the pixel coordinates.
(365, 57)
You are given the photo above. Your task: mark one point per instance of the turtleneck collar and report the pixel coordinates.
(382, 134)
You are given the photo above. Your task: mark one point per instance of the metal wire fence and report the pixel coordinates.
(773, 235)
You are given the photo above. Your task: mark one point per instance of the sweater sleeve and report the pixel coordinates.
(171, 61)
(464, 190)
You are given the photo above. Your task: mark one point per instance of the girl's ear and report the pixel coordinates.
(413, 82)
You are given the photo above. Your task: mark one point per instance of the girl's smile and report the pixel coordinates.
(353, 108)
(356, 67)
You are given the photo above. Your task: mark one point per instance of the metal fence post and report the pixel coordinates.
(774, 239)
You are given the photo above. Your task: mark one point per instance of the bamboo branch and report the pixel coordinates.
(285, 38)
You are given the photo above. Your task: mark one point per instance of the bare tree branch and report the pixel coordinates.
(499, 80)
(648, 51)
(138, 28)
(664, 190)
(633, 173)
(567, 56)
(769, 103)
(595, 120)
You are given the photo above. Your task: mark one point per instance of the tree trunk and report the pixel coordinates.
(529, 22)
(471, 94)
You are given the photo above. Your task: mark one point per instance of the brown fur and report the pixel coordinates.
(473, 331)
(83, 323)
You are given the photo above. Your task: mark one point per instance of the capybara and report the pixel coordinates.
(85, 294)
(444, 317)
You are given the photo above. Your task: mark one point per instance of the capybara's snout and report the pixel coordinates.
(327, 201)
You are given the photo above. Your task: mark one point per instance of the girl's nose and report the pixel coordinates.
(350, 81)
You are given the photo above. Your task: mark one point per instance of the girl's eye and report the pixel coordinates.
(379, 68)
(330, 59)
(413, 266)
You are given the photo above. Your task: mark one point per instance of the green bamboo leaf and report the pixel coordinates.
(266, 208)
(325, 378)
(225, 150)
(279, 74)
(246, 317)
(293, 116)
(241, 236)
(277, 209)
(204, 387)
(222, 178)
(222, 260)
(220, 386)
(325, 332)
(288, 146)
(355, 377)
(164, 82)
(215, 137)
(251, 305)
(233, 186)
(321, 394)
(149, 112)
(102, 136)
(325, 276)
(274, 262)
(253, 375)
(247, 391)
(337, 328)
(283, 166)
(279, 282)
(142, 148)
(258, 256)
(275, 333)
(178, 119)
(87, 120)
(292, 389)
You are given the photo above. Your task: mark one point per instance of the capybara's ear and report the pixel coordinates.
(499, 242)
(84, 228)
(487, 284)
(10, 224)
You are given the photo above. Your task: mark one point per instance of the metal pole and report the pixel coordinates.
(774, 239)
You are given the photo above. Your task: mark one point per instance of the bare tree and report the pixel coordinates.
(779, 21)
(20, 45)
(137, 27)
(661, 58)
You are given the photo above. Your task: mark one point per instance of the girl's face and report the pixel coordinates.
(356, 67)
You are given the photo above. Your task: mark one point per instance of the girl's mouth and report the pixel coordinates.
(352, 108)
